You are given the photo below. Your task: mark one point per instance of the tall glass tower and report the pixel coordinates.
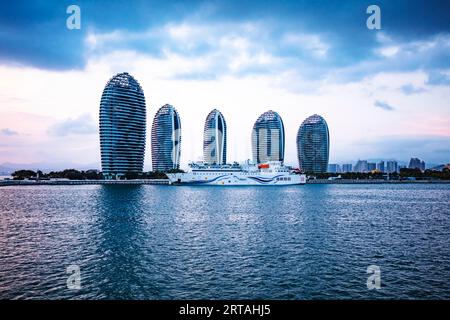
(122, 126)
(268, 138)
(313, 145)
(166, 139)
(215, 138)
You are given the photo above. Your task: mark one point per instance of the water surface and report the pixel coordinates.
(163, 242)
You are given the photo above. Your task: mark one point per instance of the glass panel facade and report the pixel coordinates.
(268, 138)
(166, 139)
(313, 145)
(215, 138)
(122, 126)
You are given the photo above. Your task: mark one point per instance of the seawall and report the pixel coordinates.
(82, 182)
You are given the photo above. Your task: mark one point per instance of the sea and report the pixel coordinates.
(324, 241)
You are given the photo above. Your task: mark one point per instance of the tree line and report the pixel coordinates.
(73, 174)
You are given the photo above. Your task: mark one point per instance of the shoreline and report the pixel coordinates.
(5, 183)
(373, 181)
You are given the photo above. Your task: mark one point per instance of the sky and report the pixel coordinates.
(385, 93)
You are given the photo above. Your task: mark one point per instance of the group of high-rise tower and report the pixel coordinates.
(123, 131)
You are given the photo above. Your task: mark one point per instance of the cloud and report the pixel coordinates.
(84, 124)
(8, 132)
(311, 43)
(409, 89)
(389, 51)
(202, 52)
(438, 78)
(430, 148)
(223, 39)
(383, 105)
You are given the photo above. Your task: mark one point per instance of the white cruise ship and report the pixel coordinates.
(271, 173)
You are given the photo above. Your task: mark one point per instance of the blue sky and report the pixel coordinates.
(383, 92)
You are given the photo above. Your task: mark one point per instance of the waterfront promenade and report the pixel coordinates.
(82, 182)
(372, 181)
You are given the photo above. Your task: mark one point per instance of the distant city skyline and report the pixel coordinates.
(384, 93)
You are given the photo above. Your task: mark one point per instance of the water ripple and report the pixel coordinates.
(160, 242)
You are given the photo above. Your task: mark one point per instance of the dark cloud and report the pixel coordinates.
(34, 32)
(383, 105)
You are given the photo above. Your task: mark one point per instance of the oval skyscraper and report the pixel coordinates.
(122, 126)
(313, 145)
(215, 138)
(166, 139)
(268, 138)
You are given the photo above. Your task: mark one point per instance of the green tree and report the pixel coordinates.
(406, 173)
(23, 174)
(131, 175)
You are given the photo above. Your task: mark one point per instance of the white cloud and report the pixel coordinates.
(390, 48)
(389, 51)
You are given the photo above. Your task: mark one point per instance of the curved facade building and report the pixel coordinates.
(166, 139)
(215, 138)
(122, 126)
(313, 145)
(268, 138)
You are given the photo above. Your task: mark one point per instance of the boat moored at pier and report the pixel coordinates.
(270, 173)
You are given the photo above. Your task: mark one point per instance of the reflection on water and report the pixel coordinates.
(162, 242)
